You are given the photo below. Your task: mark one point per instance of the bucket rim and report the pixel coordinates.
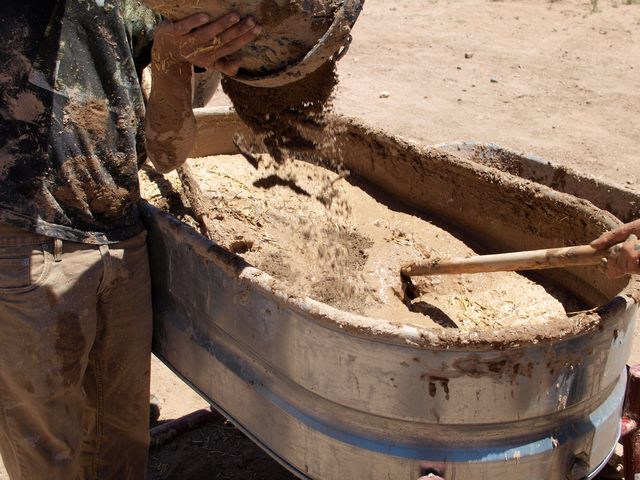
(330, 47)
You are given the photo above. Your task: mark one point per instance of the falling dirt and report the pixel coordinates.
(290, 118)
(348, 251)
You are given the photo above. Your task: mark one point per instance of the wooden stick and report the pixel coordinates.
(198, 205)
(245, 151)
(503, 262)
(167, 431)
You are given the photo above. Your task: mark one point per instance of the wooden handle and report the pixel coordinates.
(504, 262)
(194, 196)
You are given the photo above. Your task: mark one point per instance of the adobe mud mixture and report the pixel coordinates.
(345, 247)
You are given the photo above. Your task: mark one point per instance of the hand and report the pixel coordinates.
(198, 41)
(625, 257)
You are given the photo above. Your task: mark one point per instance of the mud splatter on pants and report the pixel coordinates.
(75, 344)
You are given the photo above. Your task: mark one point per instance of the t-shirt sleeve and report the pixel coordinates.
(141, 22)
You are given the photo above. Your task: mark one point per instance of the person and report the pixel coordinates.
(624, 257)
(75, 305)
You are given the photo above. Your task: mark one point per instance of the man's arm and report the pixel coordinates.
(170, 124)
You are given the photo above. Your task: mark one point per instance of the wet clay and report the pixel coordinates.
(331, 240)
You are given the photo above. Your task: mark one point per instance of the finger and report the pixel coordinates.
(237, 30)
(610, 238)
(614, 268)
(227, 66)
(613, 260)
(623, 260)
(182, 27)
(631, 254)
(613, 274)
(210, 31)
(236, 44)
(627, 248)
(618, 235)
(629, 264)
(212, 49)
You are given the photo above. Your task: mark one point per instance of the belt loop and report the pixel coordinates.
(57, 249)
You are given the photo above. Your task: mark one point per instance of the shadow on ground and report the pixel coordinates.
(216, 450)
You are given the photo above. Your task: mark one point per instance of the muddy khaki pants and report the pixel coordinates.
(75, 345)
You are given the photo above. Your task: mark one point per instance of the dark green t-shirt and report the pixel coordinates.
(71, 116)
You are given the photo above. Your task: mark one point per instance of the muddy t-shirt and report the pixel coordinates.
(71, 116)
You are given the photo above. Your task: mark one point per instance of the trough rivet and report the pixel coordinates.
(430, 474)
(579, 468)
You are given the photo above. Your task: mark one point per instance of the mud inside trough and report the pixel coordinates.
(342, 241)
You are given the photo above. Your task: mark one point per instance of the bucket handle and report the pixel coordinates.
(344, 48)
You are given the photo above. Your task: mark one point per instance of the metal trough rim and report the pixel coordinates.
(620, 201)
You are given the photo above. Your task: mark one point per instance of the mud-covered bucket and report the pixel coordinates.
(297, 37)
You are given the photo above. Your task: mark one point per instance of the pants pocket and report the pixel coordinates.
(23, 268)
(15, 272)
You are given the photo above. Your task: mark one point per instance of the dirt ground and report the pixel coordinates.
(549, 77)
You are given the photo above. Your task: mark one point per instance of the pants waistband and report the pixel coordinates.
(11, 236)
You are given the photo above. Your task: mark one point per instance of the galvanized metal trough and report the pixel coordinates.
(336, 396)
